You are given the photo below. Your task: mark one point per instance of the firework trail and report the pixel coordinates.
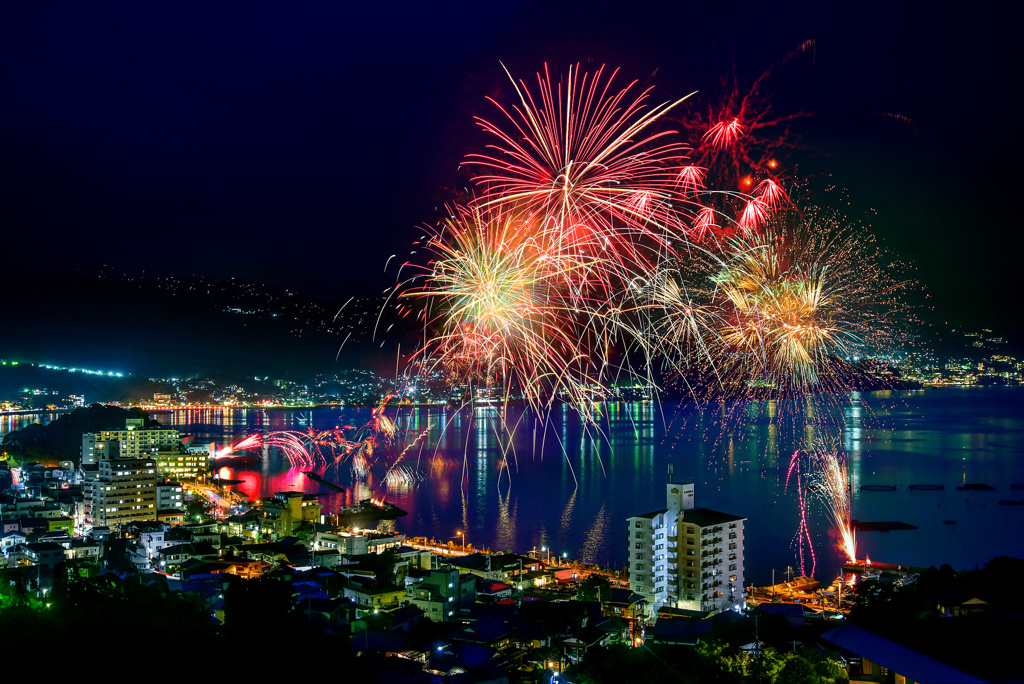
(377, 443)
(827, 480)
(242, 443)
(803, 533)
(832, 487)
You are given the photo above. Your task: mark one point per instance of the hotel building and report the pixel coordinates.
(687, 557)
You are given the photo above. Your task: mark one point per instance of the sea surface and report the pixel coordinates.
(569, 485)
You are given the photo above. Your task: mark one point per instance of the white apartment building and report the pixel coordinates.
(123, 490)
(687, 557)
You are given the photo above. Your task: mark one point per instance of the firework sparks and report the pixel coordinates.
(828, 482)
(509, 308)
(581, 158)
(786, 308)
(724, 134)
(739, 139)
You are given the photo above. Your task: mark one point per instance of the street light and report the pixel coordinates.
(546, 549)
(462, 534)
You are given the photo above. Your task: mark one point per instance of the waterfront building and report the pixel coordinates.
(687, 557)
(134, 441)
(336, 539)
(164, 445)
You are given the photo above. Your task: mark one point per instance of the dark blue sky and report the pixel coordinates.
(302, 145)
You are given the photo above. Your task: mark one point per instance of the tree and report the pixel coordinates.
(594, 588)
(198, 508)
(798, 670)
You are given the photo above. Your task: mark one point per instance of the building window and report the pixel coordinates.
(732, 567)
(639, 545)
(639, 524)
(639, 535)
(691, 552)
(639, 556)
(732, 547)
(639, 566)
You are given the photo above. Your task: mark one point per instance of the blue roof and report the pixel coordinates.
(900, 659)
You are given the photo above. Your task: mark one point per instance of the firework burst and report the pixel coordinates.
(582, 158)
(507, 307)
(786, 308)
(740, 140)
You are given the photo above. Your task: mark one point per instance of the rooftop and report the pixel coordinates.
(705, 517)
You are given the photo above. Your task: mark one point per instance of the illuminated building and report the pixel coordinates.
(164, 445)
(169, 495)
(134, 441)
(120, 490)
(287, 511)
(442, 593)
(687, 557)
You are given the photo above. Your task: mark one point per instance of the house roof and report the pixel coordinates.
(896, 657)
(483, 632)
(652, 514)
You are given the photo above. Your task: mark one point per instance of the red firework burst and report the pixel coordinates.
(580, 156)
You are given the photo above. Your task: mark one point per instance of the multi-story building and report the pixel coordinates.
(442, 593)
(119, 476)
(687, 557)
(134, 441)
(164, 445)
(123, 490)
(287, 511)
(169, 495)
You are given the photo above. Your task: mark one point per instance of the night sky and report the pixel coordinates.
(303, 144)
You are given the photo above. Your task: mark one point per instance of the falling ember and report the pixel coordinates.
(723, 134)
(770, 194)
(754, 215)
(691, 178)
(703, 223)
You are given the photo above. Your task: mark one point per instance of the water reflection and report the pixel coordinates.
(570, 485)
